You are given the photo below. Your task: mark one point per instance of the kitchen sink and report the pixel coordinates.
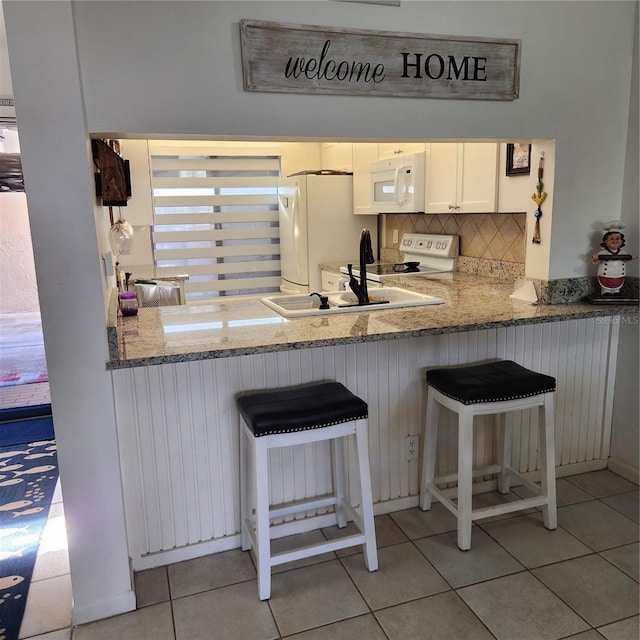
(382, 299)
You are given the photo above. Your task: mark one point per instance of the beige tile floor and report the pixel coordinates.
(518, 581)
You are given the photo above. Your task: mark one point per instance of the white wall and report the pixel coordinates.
(173, 68)
(625, 440)
(17, 271)
(56, 159)
(588, 121)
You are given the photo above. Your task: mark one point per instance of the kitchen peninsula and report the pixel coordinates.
(241, 325)
(176, 371)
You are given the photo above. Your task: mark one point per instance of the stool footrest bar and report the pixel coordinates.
(485, 471)
(301, 505)
(508, 507)
(317, 549)
(487, 512)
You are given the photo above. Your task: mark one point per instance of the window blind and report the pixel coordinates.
(216, 218)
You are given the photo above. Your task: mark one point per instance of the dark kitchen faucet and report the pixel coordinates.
(366, 257)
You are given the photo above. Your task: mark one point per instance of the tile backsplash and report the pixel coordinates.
(488, 236)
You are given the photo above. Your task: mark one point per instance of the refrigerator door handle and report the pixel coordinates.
(295, 214)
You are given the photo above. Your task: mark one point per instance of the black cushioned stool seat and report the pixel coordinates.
(304, 414)
(491, 382)
(493, 388)
(298, 408)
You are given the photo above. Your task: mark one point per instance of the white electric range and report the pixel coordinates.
(423, 253)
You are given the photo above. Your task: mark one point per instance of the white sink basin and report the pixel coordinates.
(383, 299)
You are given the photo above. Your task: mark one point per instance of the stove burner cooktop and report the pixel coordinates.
(392, 269)
(377, 271)
(422, 253)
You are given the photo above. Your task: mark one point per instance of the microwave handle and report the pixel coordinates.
(397, 186)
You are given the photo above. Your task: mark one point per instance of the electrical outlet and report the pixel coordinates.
(395, 236)
(411, 447)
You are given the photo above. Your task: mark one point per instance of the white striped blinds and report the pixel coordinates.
(216, 218)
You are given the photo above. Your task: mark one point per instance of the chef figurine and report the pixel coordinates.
(612, 263)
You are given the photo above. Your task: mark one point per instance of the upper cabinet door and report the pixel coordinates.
(461, 177)
(364, 153)
(337, 156)
(441, 182)
(477, 177)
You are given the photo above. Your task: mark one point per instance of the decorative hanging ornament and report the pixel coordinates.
(539, 196)
(121, 237)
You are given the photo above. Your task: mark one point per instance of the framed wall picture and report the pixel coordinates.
(518, 159)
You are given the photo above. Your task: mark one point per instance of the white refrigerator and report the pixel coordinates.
(317, 225)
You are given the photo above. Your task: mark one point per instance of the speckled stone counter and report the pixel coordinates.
(243, 325)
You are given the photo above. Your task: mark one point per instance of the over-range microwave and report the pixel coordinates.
(398, 184)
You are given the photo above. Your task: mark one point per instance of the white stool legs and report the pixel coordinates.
(366, 498)
(548, 462)
(545, 493)
(256, 513)
(429, 451)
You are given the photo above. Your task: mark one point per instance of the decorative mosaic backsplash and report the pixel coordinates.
(494, 245)
(490, 236)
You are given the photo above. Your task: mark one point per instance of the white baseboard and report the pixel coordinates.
(627, 471)
(102, 608)
(153, 560)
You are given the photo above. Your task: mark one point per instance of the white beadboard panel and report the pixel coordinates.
(178, 424)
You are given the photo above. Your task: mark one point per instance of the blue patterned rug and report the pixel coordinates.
(28, 476)
(25, 424)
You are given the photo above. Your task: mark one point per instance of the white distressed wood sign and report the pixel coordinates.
(291, 58)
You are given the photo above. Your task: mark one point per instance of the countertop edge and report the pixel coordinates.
(598, 311)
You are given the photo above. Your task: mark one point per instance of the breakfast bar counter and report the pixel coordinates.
(243, 325)
(176, 372)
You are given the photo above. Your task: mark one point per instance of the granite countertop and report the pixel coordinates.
(244, 325)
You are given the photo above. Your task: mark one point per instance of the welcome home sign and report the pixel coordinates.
(292, 58)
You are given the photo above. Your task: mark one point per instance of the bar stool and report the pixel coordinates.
(494, 388)
(292, 416)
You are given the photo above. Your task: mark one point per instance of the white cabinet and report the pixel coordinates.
(364, 153)
(329, 155)
(392, 149)
(337, 156)
(355, 157)
(461, 177)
